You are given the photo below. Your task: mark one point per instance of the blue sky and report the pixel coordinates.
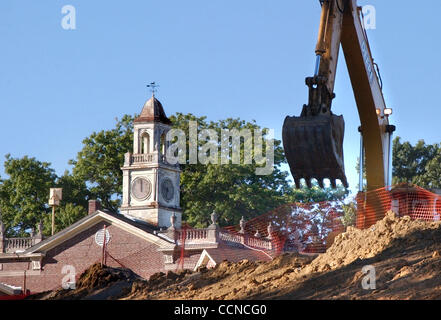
(220, 59)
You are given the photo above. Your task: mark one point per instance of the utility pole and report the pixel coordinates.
(55, 196)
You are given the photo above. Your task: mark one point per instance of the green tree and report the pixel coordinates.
(24, 196)
(350, 213)
(316, 194)
(432, 177)
(75, 190)
(229, 189)
(65, 215)
(99, 163)
(419, 164)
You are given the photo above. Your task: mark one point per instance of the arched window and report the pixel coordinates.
(145, 143)
(162, 146)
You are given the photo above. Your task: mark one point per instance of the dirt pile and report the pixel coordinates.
(404, 253)
(241, 280)
(161, 281)
(362, 244)
(97, 282)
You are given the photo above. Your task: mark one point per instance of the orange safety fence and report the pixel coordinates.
(403, 199)
(311, 227)
(295, 227)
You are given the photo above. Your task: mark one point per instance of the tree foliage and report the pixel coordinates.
(418, 164)
(316, 194)
(24, 196)
(67, 214)
(350, 214)
(99, 163)
(231, 190)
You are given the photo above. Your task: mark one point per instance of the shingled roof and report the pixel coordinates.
(153, 112)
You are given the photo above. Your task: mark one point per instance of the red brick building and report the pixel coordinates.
(141, 247)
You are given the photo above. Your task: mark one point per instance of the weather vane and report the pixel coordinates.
(153, 87)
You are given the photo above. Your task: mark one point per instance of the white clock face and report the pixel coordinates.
(167, 189)
(141, 188)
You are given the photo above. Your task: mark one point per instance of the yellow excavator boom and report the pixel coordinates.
(313, 142)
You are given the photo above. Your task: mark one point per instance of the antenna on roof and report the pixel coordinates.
(153, 87)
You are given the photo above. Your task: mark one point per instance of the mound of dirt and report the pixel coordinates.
(96, 283)
(227, 280)
(404, 253)
(160, 281)
(362, 244)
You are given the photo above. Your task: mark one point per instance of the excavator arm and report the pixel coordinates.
(313, 142)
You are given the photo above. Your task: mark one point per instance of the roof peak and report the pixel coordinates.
(152, 111)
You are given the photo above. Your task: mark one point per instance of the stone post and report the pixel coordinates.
(39, 237)
(127, 159)
(270, 234)
(242, 230)
(213, 229)
(242, 225)
(270, 231)
(171, 231)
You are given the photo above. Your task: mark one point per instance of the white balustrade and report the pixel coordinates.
(17, 244)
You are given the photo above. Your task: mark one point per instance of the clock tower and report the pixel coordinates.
(150, 183)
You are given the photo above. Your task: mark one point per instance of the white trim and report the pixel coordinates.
(203, 256)
(9, 290)
(36, 265)
(97, 218)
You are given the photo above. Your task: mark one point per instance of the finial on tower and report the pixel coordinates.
(153, 87)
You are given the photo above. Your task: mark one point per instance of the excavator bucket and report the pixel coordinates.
(314, 148)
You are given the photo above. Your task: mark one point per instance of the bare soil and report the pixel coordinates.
(405, 254)
(96, 283)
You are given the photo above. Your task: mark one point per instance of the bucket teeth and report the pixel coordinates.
(314, 148)
(345, 182)
(320, 182)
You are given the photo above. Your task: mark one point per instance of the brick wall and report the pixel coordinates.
(81, 251)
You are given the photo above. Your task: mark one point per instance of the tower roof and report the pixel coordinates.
(153, 112)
